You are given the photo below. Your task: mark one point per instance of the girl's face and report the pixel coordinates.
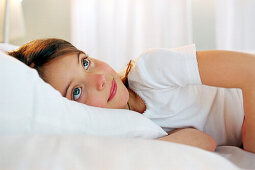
(86, 80)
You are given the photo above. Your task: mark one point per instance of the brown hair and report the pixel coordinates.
(38, 52)
(128, 69)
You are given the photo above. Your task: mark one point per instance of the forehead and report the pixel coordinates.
(63, 59)
(60, 64)
(61, 70)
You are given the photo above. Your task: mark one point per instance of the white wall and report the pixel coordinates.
(203, 23)
(51, 18)
(45, 18)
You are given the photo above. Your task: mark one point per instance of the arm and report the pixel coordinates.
(233, 70)
(192, 137)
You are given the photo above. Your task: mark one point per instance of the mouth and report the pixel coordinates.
(113, 90)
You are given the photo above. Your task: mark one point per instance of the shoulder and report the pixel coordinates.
(187, 49)
(163, 67)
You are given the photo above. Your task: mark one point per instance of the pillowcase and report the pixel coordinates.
(28, 105)
(4, 47)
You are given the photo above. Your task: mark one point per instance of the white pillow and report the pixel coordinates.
(28, 105)
(7, 47)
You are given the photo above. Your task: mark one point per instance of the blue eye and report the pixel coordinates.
(76, 93)
(86, 63)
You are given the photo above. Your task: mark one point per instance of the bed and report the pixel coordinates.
(39, 129)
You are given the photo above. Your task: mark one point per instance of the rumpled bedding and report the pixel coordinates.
(239, 157)
(79, 152)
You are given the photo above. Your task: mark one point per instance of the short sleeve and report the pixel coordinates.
(164, 68)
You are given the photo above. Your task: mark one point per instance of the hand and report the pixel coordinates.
(192, 137)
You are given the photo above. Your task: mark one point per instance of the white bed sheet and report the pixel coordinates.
(79, 152)
(239, 157)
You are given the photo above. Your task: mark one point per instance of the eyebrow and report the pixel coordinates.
(78, 59)
(67, 88)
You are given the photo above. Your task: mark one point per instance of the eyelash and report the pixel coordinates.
(80, 93)
(83, 63)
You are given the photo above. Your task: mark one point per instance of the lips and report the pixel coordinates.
(113, 90)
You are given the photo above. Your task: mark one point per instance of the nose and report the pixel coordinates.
(100, 81)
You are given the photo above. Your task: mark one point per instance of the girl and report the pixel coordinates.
(165, 85)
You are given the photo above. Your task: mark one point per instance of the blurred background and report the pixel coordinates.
(119, 30)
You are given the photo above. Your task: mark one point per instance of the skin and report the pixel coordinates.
(217, 68)
(95, 81)
(190, 136)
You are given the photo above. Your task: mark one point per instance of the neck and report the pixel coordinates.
(135, 102)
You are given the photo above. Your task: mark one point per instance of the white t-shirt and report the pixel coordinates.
(168, 81)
